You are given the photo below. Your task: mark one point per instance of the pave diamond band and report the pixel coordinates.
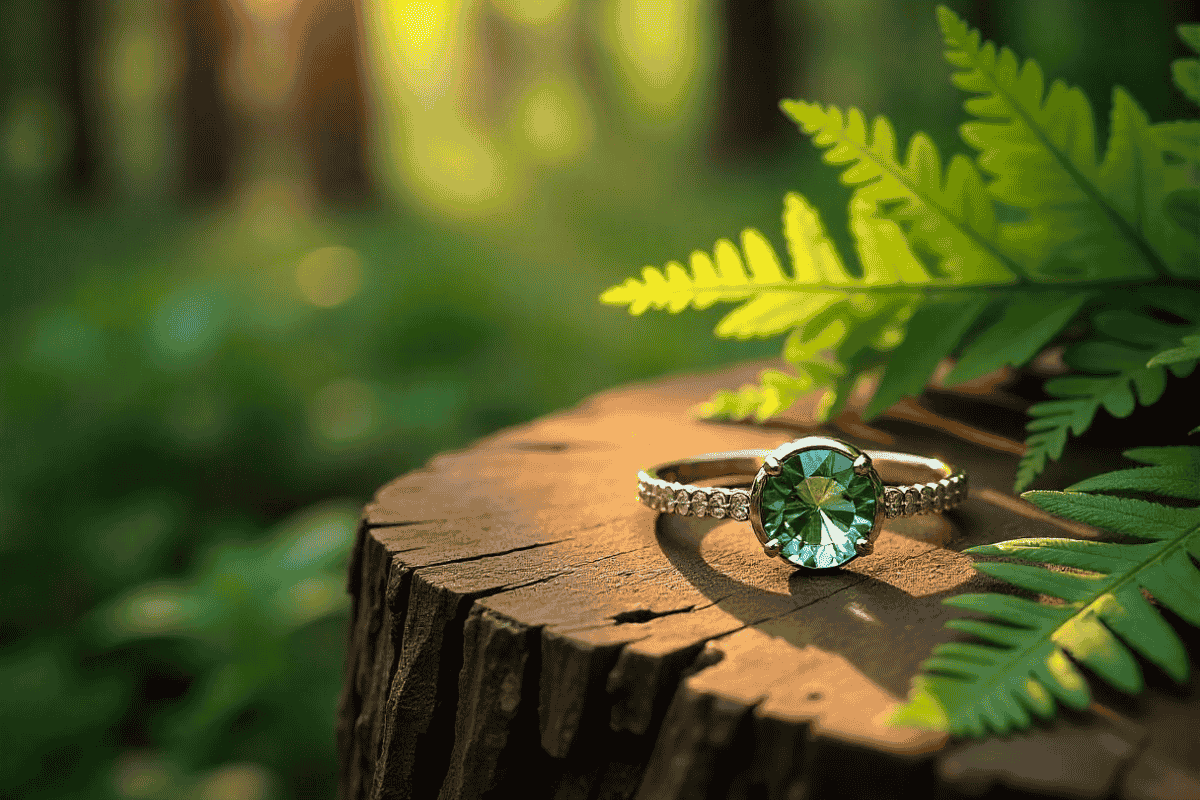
(816, 502)
(669, 497)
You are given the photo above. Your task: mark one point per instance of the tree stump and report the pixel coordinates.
(522, 627)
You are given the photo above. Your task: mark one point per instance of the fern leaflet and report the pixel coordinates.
(1186, 71)
(952, 217)
(1020, 668)
(1129, 366)
(1084, 216)
(821, 303)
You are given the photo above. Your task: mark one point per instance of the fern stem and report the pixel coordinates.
(1152, 259)
(742, 291)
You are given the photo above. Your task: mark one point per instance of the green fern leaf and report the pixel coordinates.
(952, 216)
(773, 302)
(1086, 217)
(1186, 71)
(1116, 374)
(1022, 666)
(932, 332)
(776, 392)
(1190, 351)
(822, 304)
(1173, 472)
(1026, 326)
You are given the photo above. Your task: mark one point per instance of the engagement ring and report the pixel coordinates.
(816, 502)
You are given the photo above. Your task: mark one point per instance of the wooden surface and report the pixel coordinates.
(522, 627)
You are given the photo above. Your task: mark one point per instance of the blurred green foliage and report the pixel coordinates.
(188, 438)
(195, 403)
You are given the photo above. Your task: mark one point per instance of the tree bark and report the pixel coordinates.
(208, 130)
(331, 101)
(522, 627)
(754, 75)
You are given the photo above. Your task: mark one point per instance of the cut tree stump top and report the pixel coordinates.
(522, 627)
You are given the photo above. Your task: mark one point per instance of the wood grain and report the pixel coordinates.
(523, 627)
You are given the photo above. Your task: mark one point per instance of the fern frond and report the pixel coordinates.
(724, 277)
(1039, 147)
(1020, 669)
(1025, 325)
(1172, 472)
(775, 392)
(950, 216)
(1116, 374)
(1188, 352)
(1186, 71)
(825, 308)
(774, 301)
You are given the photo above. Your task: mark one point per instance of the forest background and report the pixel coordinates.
(260, 256)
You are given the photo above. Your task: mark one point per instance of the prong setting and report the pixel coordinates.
(771, 465)
(862, 464)
(771, 548)
(864, 548)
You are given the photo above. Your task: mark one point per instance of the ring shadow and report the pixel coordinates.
(884, 630)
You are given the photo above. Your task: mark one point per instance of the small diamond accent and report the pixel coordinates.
(942, 496)
(927, 494)
(699, 502)
(893, 502)
(683, 504)
(660, 498)
(718, 505)
(739, 506)
(912, 501)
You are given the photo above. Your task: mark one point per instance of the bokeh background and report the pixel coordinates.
(260, 256)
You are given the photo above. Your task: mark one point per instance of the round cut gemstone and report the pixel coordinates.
(818, 508)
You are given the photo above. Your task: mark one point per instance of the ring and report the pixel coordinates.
(816, 502)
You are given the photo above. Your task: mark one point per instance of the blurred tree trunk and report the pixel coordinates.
(76, 25)
(753, 78)
(207, 129)
(331, 100)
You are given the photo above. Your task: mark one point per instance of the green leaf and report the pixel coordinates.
(1021, 667)
(771, 301)
(932, 332)
(1186, 71)
(1039, 146)
(1026, 326)
(1175, 472)
(1182, 207)
(1140, 518)
(1114, 374)
(822, 305)
(950, 216)
(1190, 351)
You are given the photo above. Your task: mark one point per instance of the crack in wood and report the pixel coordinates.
(497, 554)
(645, 614)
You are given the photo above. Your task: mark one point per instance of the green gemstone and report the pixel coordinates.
(818, 508)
